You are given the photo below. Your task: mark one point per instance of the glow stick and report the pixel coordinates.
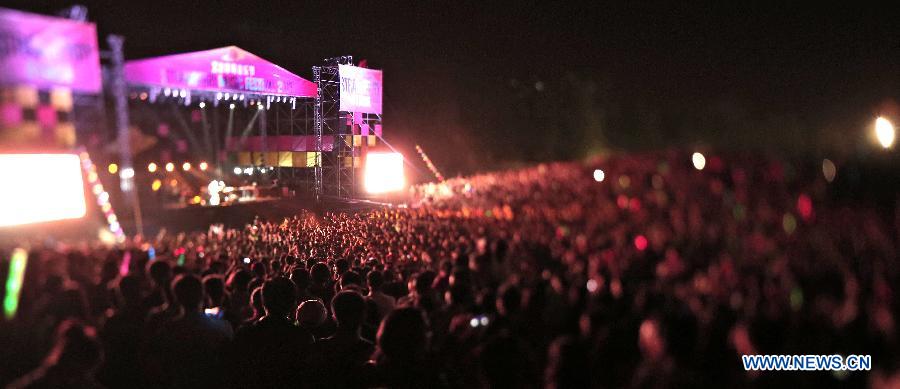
(126, 261)
(14, 282)
(151, 253)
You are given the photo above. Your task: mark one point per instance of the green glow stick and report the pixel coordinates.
(14, 282)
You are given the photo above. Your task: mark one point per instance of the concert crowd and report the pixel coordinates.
(651, 274)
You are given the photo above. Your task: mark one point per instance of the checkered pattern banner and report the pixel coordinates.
(36, 119)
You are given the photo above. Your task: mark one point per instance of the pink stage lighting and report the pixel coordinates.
(40, 187)
(384, 173)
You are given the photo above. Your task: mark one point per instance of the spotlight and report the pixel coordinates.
(599, 175)
(218, 95)
(170, 167)
(202, 105)
(237, 170)
(699, 161)
(156, 185)
(231, 106)
(151, 167)
(112, 168)
(186, 166)
(248, 171)
(384, 173)
(884, 132)
(204, 166)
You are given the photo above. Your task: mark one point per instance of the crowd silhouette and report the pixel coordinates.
(660, 276)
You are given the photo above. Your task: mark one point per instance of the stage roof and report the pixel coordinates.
(226, 69)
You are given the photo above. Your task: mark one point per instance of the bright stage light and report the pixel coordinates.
(127, 173)
(237, 170)
(884, 131)
(599, 175)
(170, 167)
(699, 161)
(231, 106)
(112, 168)
(156, 185)
(202, 105)
(204, 166)
(248, 171)
(49, 188)
(186, 166)
(384, 173)
(151, 167)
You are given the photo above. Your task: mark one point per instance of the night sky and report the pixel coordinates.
(483, 85)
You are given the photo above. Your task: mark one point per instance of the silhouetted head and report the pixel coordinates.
(214, 287)
(188, 291)
(160, 272)
(351, 279)
(375, 280)
(403, 335)
(319, 273)
(129, 290)
(311, 314)
(349, 309)
(278, 297)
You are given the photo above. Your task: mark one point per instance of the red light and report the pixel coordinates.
(622, 201)
(805, 207)
(640, 242)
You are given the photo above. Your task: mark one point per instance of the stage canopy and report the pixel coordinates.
(226, 70)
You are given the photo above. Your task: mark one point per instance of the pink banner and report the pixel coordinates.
(226, 69)
(360, 89)
(48, 52)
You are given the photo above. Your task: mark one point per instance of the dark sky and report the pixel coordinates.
(462, 78)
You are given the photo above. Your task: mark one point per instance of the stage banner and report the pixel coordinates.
(48, 52)
(227, 69)
(360, 89)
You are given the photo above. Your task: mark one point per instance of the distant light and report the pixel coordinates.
(259, 107)
(218, 95)
(789, 223)
(599, 175)
(156, 185)
(384, 173)
(170, 167)
(884, 131)
(173, 183)
(640, 242)
(227, 95)
(183, 93)
(624, 181)
(112, 168)
(699, 161)
(202, 105)
(237, 170)
(186, 166)
(231, 106)
(127, 173)
(248, 171)
(152, 167)
(196, 200)
(204, 166)
(829, 170)
(592, 285)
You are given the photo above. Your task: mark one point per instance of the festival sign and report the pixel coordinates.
(226, 69)
(360, 89)
(48, 52)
